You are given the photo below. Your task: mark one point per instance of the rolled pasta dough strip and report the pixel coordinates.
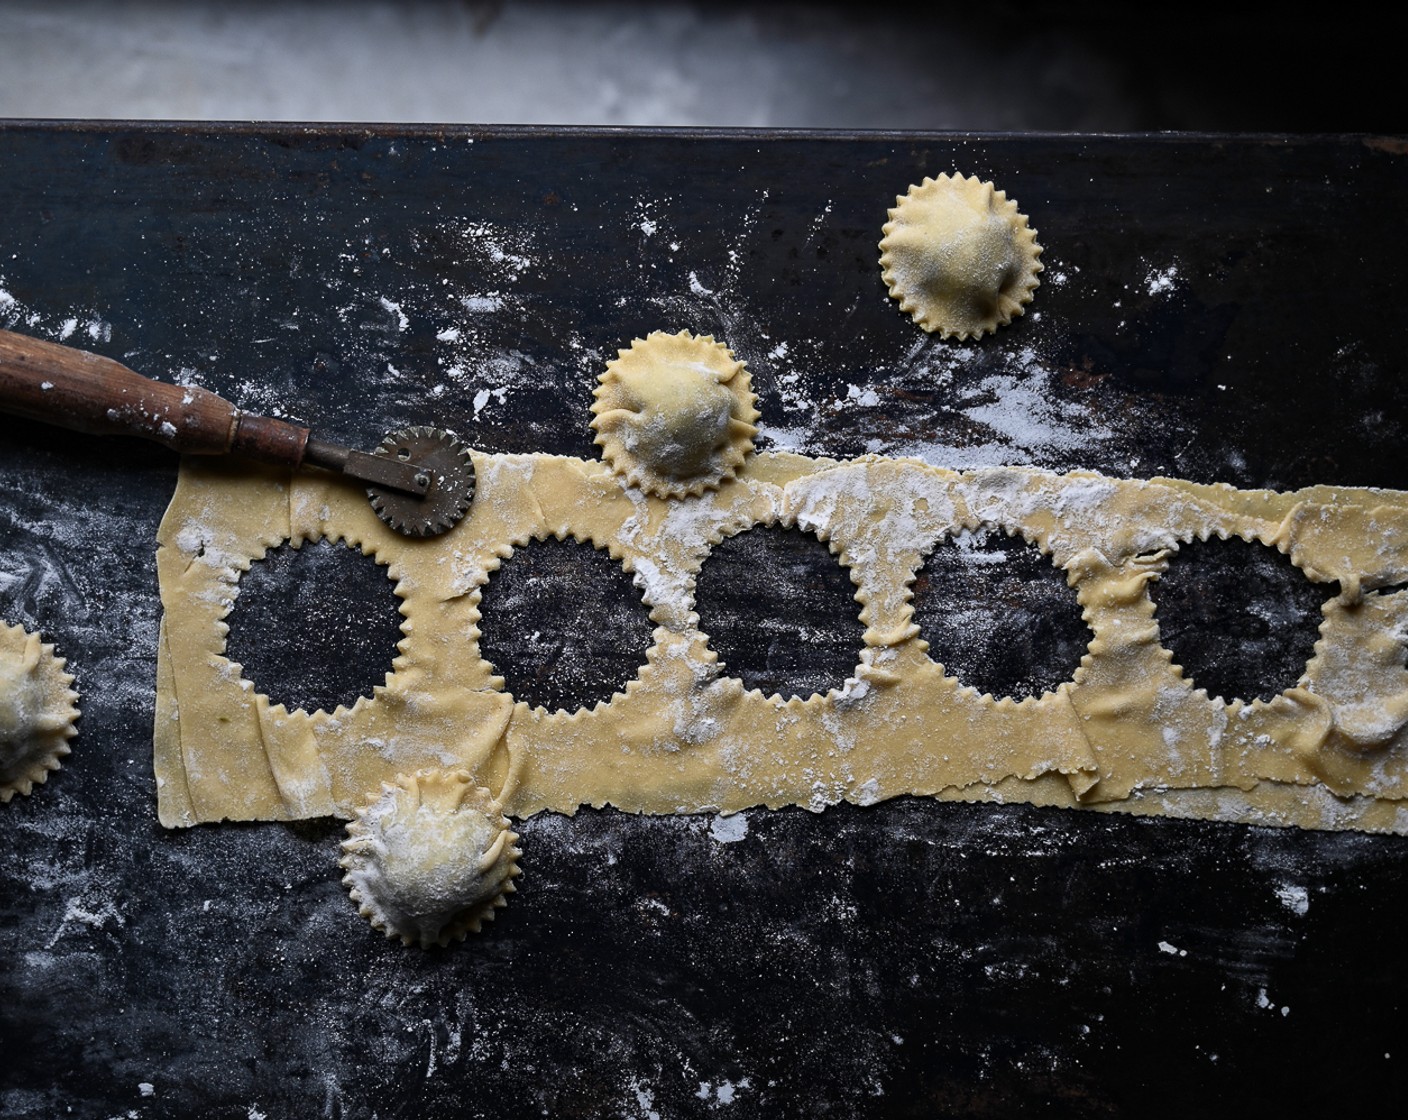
(1128, 733)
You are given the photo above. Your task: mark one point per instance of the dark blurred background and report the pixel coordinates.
(983, 67)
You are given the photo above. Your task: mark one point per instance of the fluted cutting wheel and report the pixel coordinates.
(451, 471)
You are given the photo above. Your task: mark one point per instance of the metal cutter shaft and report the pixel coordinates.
(89, 393)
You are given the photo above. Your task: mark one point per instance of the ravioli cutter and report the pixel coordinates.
(420, 480)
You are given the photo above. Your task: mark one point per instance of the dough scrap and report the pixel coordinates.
(1128, 734)
(959, 256)
(37, 711)
(430, 857)
(674, 414)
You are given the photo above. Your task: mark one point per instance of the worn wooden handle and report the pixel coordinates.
(89, 393)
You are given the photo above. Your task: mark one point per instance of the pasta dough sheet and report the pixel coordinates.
(1129, 733)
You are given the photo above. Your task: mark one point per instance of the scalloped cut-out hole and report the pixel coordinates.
(780, 611)
(315, 627)
(563, 624)
(1239, 618)
(998, 615)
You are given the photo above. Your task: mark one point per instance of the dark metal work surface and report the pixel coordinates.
(1215, 309)
(780, 611)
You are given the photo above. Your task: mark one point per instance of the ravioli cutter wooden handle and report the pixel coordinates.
(90, 393)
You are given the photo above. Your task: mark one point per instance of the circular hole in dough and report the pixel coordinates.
(563, 624)
(1239, 618)
(998, 615)
(674, 414)
(315, 627)
(780, 611)
(959, 256)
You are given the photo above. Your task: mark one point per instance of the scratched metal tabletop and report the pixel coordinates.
(1213, 308)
